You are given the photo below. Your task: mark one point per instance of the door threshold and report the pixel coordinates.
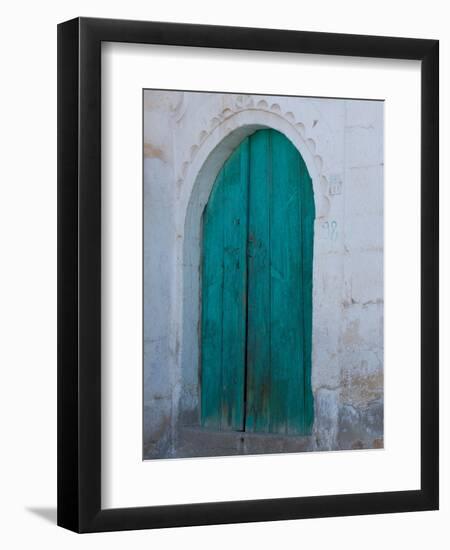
(199, 441)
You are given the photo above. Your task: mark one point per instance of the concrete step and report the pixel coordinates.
(197, 441)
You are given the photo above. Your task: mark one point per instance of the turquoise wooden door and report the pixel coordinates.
(256, 321)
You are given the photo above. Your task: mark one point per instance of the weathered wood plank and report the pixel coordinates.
(234, 213)
(258, 322)
(212, 308)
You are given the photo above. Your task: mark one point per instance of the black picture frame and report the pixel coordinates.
(79, 274)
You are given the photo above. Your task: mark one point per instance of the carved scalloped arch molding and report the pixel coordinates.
(245, 116)
(198, 172)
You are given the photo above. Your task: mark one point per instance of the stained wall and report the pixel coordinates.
(187, 137)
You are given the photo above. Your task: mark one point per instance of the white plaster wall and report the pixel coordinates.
(187, 137)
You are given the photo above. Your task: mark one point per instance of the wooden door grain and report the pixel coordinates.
(257, 291)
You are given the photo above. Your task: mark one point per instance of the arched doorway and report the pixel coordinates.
(256, 291)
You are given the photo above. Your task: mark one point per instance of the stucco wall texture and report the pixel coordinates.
(187, 137)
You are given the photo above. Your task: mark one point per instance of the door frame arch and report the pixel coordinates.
(197, 182)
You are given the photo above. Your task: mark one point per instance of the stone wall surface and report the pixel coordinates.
(187, 137)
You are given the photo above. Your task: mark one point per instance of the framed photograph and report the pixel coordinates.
(247, 276)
